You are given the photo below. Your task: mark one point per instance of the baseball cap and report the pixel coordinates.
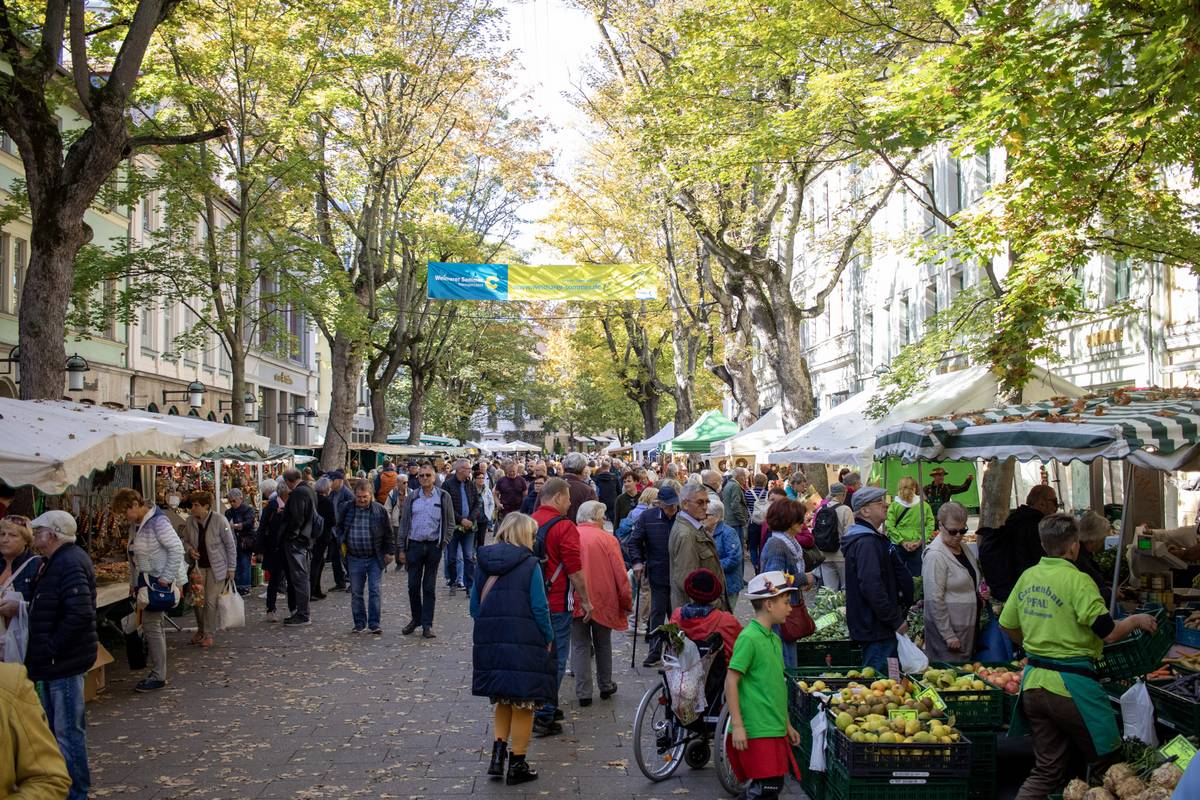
(867, 494)
(60, 522)
(668, 496)
(769, 584)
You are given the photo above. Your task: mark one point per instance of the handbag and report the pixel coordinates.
(135, 642)
(152, 596)
(813, 558)
(799, 623)
(231, 609)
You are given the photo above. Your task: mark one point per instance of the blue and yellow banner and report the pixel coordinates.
(517, 282)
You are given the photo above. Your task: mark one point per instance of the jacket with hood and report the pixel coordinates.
(879, 588)
(510, 655)
(608, 486)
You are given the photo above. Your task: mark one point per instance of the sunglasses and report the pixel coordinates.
(954, 531)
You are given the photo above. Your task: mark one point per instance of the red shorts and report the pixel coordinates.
(762, 758)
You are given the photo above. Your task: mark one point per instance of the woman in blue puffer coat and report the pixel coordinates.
(729, 550)
(514, 665)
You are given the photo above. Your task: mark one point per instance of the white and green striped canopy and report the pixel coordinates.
(1157, 428)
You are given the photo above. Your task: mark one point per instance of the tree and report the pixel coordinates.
(256, 67)
(63, 175)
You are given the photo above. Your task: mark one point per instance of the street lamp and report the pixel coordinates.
(881, 370)
(77, 366)
(194, 392)
(247, 406)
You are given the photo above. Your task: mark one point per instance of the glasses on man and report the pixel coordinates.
(425, 475)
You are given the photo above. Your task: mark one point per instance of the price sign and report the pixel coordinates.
(894, 668)
(902, 713)
(932, 694)
(1181, 749)
(826, 620)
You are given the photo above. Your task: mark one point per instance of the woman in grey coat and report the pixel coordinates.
(212, 550)
(950, 578)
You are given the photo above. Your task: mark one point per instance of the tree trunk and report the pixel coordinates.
(739, 375)
(346, 363)
(648, 405)
(237, 365)
(684, 347)
(995, 489)
(416, 406)
(379, 416)
(55, 241)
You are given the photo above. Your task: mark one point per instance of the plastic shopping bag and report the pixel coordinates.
(231, 609)
(911, 657)
(1137, 711)
(819, 723)
(16, 638)
(686, 673)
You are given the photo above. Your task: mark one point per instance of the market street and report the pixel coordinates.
(315, 712)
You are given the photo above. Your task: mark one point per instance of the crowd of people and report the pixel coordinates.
(556, 557)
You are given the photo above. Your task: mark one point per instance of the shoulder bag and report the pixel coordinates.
(799, 623)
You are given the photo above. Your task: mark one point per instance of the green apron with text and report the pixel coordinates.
(1091, 700)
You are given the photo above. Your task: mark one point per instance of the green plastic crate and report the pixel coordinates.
(813, 783)
(819, 654)
(840, 786)
(973, 709)
(1138, 653)
(983, 766)
(802, 705)
(1175, 710)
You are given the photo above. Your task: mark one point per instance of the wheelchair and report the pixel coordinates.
(661, 742)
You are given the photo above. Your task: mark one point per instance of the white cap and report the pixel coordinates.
(61, 522)
(769, 584)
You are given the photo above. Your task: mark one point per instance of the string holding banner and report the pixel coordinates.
(525, 282)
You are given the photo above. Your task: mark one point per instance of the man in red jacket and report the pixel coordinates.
(562, 569)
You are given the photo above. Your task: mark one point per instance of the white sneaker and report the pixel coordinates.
(272, 616)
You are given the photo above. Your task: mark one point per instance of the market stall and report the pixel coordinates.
(664, 434)
(750, 445)
(710, 428)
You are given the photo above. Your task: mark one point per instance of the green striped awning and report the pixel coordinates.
(1156, 427)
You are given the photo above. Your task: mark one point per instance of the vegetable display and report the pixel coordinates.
(1144, 774)
(829, 611)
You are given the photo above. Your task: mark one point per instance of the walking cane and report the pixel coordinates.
(637, 613)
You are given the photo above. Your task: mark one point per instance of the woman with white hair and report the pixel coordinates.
(1093, 529)
(612, 600)
(950, 578)
(729, 550)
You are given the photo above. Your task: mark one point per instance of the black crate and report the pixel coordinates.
(874, 759)
(839, 785)
(975, 709)
(1177, 711)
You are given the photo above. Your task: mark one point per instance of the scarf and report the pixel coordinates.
(792, 545)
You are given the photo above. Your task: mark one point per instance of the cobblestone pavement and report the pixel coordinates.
(316, 712)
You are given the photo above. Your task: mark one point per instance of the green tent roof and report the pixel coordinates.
(712, 427)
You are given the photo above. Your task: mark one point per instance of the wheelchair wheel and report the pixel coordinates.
(658, 742)
(697, 754)
(729, 781)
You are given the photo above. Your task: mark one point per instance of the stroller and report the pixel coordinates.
(661, 741)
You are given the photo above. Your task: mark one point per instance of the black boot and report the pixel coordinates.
(519, 771)
(499, 753)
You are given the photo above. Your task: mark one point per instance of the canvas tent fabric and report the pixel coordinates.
(711, 427)
(846, 434)
(276, 452)
(754, 440)
(51, 444)
(516, 446)
(665, 434)
(1153, 428)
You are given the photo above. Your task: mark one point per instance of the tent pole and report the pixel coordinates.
(1126, 532)
(921, 502)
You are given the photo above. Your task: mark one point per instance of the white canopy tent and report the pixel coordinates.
(665, 434)
(517, 446)
(846, 435)
(754, 440)
(51, 444)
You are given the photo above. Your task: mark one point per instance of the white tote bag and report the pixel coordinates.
(231, 609)
(911, 657)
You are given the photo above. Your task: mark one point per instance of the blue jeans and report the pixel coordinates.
(460, 559)
(242, 576)
(62, 700)
(876, 654)
(368, 570)
(561, 622)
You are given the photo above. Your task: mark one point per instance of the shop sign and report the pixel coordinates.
(1105, 338)
(283, 377)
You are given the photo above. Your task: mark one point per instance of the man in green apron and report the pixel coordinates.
(1056, 612)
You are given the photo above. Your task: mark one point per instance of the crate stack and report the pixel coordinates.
(980, 715)
(873, 771)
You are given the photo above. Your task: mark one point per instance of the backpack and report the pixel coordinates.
(761, 505)
(539, 551)
(825, 529)
(384, 483)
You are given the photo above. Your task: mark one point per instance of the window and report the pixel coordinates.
(209, 352)
(19, 263)
(867, 340)
(148, 220)
(1122, 278)
(110, 304)
(168, 332)
(958, 282)
(931, 299)
(146, 328)
(6, 144)
(837, 398)
(929, 200)
(905, 320)
(8, 303)
(959, 199)
(295, 335)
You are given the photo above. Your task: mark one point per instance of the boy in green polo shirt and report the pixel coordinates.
(756, 693)
(1056, 612)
